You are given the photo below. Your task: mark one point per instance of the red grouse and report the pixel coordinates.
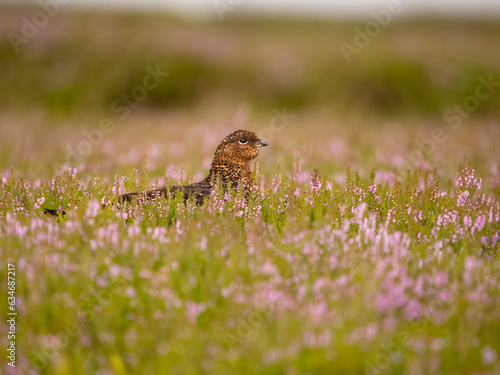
(230, 165)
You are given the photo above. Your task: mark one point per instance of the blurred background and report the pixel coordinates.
(333, 83)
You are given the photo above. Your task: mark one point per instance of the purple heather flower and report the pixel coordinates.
(93, 208)
(484, 241)
(489, 355)
(494, 239)
(39, 202)
(194, 309)
(467, 221)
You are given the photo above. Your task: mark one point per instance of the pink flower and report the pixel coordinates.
(419, 286)
(441, 279)
(484, 241)
(276, 183)
(203, 243)
(467, 180)
(489, 355)
(412, 309)
(269, 269)
(494, 239)
(463, 198)
(467, 221)
(371, 331)
(470, 263)
(194, 309)
(319, 310)
(315, 183)
(93, 208)
(480, 221)
(130, 291)
(39, 202)
(390, 323)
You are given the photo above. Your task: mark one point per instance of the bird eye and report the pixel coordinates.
(243, 141)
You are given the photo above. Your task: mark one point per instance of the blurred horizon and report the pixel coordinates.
(294, 8)
(412, 67)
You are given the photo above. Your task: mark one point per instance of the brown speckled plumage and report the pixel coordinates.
(230, 165)
(54, 212)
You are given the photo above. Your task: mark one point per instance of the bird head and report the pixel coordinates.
(240, 146)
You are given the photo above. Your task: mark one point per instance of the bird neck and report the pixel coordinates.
(229, 170)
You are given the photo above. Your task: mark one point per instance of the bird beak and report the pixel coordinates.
(262, 144)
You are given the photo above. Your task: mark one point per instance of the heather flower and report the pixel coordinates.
(319, 310)
(93, 208)
(485, 241)
(203, 243)
(194, 309)
(412, 309)
(371, 331)
(494, 239)
(39, 202)
(489, 355)
(463, 198)
(315, 182)
(479, 224)
(467, 180)
(130, 292)
(467, 221)
(276, 183)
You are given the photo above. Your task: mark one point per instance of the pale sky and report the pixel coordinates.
(334, 8)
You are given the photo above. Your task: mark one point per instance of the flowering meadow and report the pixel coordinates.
(368, 246)
(308, 276)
